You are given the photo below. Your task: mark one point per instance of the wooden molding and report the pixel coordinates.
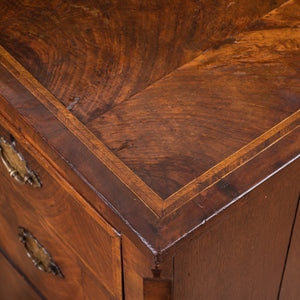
(247, 59)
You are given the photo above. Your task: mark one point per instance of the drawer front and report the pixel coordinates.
(84, 247)
(12, 285)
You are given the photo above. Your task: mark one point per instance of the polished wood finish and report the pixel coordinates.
(104, 52)
(228, 190)
(210, 106)
(136, 267)
(157, 289)
(151, 151)
(59, 155)
(62, 219)
(290, 288)
(12, 285)
(272, 123)
(243, 256)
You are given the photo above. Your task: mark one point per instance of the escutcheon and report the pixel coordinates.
(40, 257)
(16, 165)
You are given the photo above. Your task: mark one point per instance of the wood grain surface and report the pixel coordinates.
(193, 133)
(12, 285)
(243, 255)
(208, 207)
(124, 108)
(64, 228)
(37, 91)
(157, 289)
(56, 157)
(104, 52)
(208, 114)
(136, 266)
(139, 283)
(290, 288)
(157, 161)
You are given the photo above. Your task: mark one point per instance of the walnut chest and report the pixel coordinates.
(149, 149)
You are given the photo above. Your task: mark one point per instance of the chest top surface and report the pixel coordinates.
(167, 133)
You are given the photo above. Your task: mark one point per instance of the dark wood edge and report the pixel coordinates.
(143, 192)
(112, 162)
(167, 231)
(228, 165)
(75, 185)
(114, 235)
(20, 272)
(143, 225)
(226, 194)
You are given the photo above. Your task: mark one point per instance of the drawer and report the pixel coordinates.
(82, 244)
(12, 285)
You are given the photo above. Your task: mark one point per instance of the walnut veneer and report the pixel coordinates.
(166, 137)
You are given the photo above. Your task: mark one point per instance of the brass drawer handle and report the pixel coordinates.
(40, 257)
(16, 165)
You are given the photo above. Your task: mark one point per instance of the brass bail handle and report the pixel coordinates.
(14, 173)
(19, 171)
(39, 256)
